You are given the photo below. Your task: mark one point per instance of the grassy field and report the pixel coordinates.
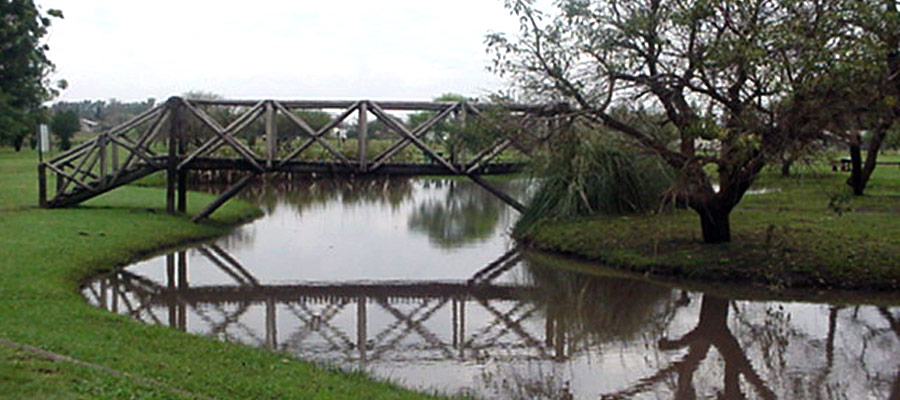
(804, 231)
(46, 254)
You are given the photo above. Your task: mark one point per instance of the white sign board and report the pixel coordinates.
(43, 138)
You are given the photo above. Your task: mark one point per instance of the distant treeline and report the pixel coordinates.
(106, 113)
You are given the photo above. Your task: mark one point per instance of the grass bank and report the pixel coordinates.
(46, 254)
(803, 231)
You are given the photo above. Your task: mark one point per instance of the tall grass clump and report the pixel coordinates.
(581, 177)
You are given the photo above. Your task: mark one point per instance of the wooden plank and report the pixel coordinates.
(270, 134)
(382, 115)
(42, 185)
(137, 149)
(362, 135)
(69, 178)
(387, 105)
(231, 192)
(181, 142)
(494, 151)
(71, 153)
(172, 161)
(84, 158)
(137, 120)
(497, 192)
(102, 144)
(132, 152)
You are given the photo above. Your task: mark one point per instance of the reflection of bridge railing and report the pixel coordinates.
(486, 319)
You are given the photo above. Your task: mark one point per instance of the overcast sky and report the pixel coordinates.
(386, 49)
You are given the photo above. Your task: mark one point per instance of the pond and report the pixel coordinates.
(417, 281)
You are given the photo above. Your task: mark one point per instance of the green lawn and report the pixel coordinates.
(46, 254)
(808, 231)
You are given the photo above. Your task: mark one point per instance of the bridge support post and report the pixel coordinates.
(271, 332)
(42, 185)
(361, 327)
(176, 178)
(362, 135)
(170, 284)
(172, 160)
(271, 133)
(182, 172)
(182, 285)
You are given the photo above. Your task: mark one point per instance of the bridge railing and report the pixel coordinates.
(457, 138)
(112, 158)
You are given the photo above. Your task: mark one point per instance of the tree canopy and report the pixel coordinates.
(715, 88)
(24, 69)
(64, 125)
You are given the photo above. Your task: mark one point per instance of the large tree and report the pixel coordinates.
(24, 68)
(723, 75)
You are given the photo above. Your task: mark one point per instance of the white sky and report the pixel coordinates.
(301, 49)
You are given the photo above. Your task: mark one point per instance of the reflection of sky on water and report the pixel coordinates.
(327, 238)
(560, 332)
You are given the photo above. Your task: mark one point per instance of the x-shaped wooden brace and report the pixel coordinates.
(414, 323)
(226, 134)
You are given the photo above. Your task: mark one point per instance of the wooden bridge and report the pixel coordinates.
(271, 136)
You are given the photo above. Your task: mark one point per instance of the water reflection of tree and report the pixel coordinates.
(302, 194)
(583, 313)
(599, 309)
(466, 214)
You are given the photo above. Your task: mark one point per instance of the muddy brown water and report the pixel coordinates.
(417, 281)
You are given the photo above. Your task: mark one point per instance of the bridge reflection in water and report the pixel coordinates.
(558, 335)
(346, 322)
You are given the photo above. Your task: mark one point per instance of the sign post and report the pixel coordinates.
(43, 141)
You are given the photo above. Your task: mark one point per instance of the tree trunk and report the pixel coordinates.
(786, 167)
(861, 172)
(856, 174)
(715, 222)
(872, 156)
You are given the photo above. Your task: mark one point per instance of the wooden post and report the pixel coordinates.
(271, 144)
(60, 183)
(182, 285)
(42, 185)
(271, 332)
(114, 155)
(102, 142)
(181, 140)
(459, 159)
(462, 328)
(361, 327)
(172, 161)
(170, 284)
(363, 134)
